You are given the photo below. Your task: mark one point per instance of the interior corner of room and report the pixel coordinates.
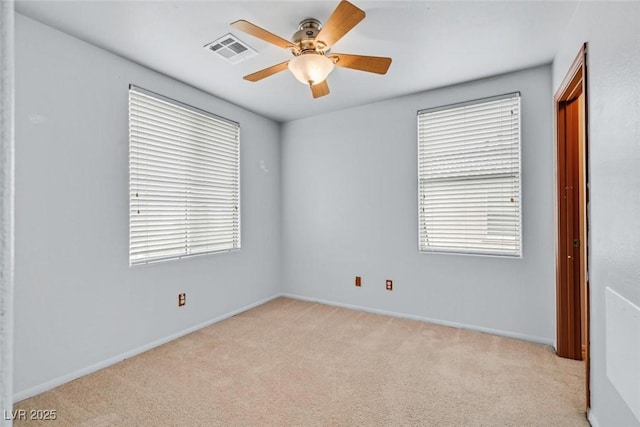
(328, 186)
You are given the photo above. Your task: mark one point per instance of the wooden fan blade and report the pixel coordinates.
(371, 64)
(261, 33)
(321, 89)
(342, 20)
(269, 71)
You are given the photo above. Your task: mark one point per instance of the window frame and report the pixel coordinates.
(237, 217)
(484, 252)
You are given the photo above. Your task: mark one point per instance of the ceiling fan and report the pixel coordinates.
(311, 44)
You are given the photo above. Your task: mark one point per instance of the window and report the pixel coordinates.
(469, 177)
(184, 180)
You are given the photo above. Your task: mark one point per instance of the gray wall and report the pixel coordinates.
(613, 34)
(349, 189)
(78, 304)
(7, 175)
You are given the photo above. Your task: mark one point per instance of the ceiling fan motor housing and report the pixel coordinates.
(306, 35)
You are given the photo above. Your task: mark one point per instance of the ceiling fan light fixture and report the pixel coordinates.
(311, 68)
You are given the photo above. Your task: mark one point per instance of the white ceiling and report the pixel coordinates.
(432, 43)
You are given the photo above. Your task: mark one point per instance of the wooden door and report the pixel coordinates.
(572, 286)
(569, 238)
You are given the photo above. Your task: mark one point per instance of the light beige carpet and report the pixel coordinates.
(290, 362)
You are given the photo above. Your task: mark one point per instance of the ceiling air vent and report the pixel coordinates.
(231, 49)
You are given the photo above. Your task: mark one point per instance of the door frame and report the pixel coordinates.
(570, 321)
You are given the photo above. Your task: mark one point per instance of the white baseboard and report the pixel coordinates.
(592, 419)
(41, 388)
(499, 332)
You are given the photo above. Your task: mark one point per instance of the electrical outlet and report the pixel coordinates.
(358, 281)
(182, 299)
(389, 285)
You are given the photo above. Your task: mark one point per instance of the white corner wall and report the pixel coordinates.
(78, 305)
(613, 35)
(7, 199)
(349, 189)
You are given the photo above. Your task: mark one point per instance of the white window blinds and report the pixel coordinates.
(469, 177)
(184, 180)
